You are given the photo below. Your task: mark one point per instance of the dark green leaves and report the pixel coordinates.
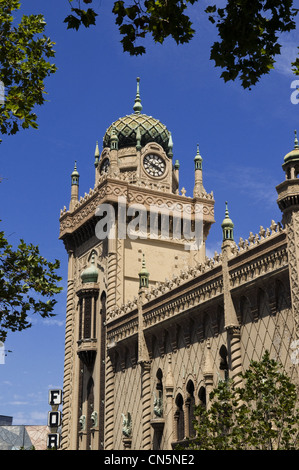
(26, 279)
(161, 19)
(249, 32)
(81, 17)
(260, 415)
(24, 51)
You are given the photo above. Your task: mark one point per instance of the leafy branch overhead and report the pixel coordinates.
(248, 30)
(26, 279)
(24, 65)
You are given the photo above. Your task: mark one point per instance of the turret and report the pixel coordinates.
(113, 150)
(74, 187)
(227, 226)
(143, 276)
(288, 190)
(198, 186)
(96, 162)
(96, 155)
(170, 146)
(176, 174)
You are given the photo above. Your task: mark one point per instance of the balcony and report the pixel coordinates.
(87, 351)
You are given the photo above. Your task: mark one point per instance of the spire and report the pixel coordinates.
(198, 186)
(75, 175)
(198, 160)
(74, 187)
(170, 146)
(96, 155)
(137, 106)
(143, 275)
(227, 226)
(296, 145)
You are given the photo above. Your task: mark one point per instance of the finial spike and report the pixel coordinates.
(296, 140)
(97, 150)
(143, 274)
(137, 106)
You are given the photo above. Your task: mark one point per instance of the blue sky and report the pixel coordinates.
(242, 135)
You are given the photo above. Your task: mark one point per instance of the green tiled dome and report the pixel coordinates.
(294, 154)
(151, 130)
(148, 128)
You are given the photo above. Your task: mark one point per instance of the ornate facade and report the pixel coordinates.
(151, 322)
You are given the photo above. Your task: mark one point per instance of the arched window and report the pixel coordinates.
(190, 405)
(179, 418)
(202, 397)
(90, 409)
(223, 362)
(158, 401)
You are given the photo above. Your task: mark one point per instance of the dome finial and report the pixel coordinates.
(143, 275)
(296, 146)
(198, 159)
(96, 155)
(75, 174)
(227, 226)
(137, 106)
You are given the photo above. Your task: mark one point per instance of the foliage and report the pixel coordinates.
(80, 16)
(248, 30)
(260, 415)
(24, 273)
(24, 51)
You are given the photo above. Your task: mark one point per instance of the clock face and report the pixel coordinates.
(104, 166)
(154, 165)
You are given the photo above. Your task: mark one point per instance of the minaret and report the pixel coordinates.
(227, 226)
(170, 146)
(96, 155)
(74, 188)
(143, 277)
(231, 323)
(288, 203)
(176, 173)
(96, 162)
(113, 151)
(198, 186)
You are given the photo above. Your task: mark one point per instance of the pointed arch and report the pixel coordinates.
(190, 408)
(179, 417)
(263, 303)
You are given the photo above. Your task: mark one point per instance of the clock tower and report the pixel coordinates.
(134, 213)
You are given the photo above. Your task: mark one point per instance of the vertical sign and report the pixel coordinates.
(54, 419)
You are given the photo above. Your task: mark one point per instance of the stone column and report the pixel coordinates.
(208, 374)
(111, 276)
(146, 404)
(68, 359)
(235, 354)
(169, 412)
(109, 405)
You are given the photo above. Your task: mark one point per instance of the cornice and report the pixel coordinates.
(110, 189)
(197, 288)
